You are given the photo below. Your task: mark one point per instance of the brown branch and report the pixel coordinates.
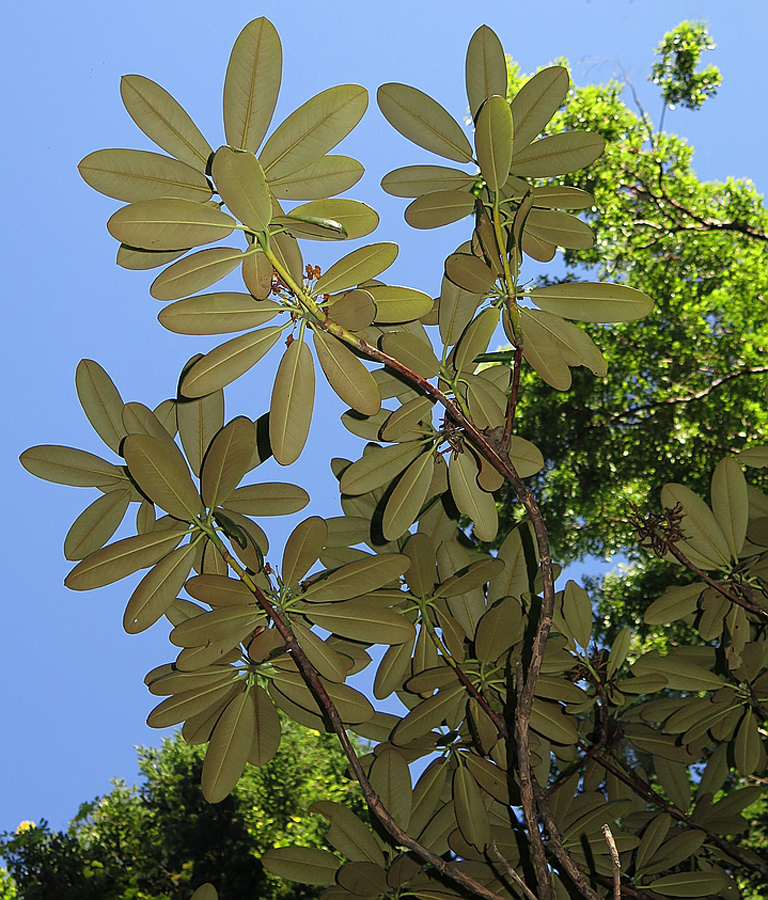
(372, 799)
(511, 873)
(513, 397)
(615, 861)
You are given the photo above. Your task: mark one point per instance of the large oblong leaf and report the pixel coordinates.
(424, 121)
(101, 402)
(399, 304)
(558, 154)
(217, 313)
(322, 178)
(229, 748)
(132, 175)
(536, 102)
(162, 474)
(242, 186)
(229, 361)
(559, 228)
(252, 84)
(305, 864)
(470, 498)
(347, 376)
(195, 272)
(164, 121)
(486, 68)
(730, 503)
(122, 558)
(293, 398)
(362, 620)
(493, 141)
(313, 129)
(413, 181)
(198, 420)
(356, 578)
(356, 218)
(356, 267)
(378, 467)
(704, 537)
(268, 499)
(158, 589)
(96, 524)
(169, 224)
(439, 208)
(227, 460)
(303, 548)
(67, 465)
(405, 502)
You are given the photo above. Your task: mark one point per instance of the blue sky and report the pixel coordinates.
(73, 705)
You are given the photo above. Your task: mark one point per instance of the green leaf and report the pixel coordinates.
(730, 503)
(158, 589)
(399, 304)
(169, 224)
(267, 733)
(352, 706)
(322, 178)
(140, 260)
(688, 884)
(257, 274)
(748, 750)
(429, 714)
(354, 310)
(101, 402)
(558, 154)
(229, 361)
(195, 272)
(549, 720)
(241, 183)
(198, 421)
(424, 121)
(543, 351)
(403, 424)
(205, 892)
(470, 273)
(455, 311)
(313, 129)
(122, 558)
(357, 219)
(347, 376)
(96, 524)
(293, 397)
(407, 499)
(590, 302)
(268, 499)
(305, 864)
(493, 141)
(536, 102)
(229, 748)
(132, 175)
(475, 340)
(164, 121)
(162, 474)
(252, 84)
(348, 834)
(303, 549)
(704, 537)
(577, 613)
(356, 267)
(471, 814)
(378, 467)
(181, 706)
(356, 578)
(413, 181)
(486, 68)
(560, 229)
(66, 465)
(439, 208)
(217, 313)
(227, 460)
(470, 498)
(675, 603)
(391, 779)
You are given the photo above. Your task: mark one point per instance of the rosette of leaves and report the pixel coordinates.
(513, 214)
(157, 474)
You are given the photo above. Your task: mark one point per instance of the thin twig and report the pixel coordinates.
(615, 861)
(509, 871)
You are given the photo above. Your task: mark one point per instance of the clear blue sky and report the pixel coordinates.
(73, 704)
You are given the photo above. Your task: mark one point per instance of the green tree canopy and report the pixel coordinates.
(161, 839)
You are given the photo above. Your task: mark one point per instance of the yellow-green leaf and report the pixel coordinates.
(227, 460)
(549, 720)
(439, 208)
(242, 186)
(471, 814)
(195, 272)
(391, 779)
(455, 311)
(252, 84)
(305, 864)
(399, 304)
(162, 474)
(228, 750)
(558, 154)
(356, 218)
(356, 578)
(592, 302)
(413, 181)
(470, 273)
(378, 467)
(293, 398)
(169, 224)
(543, 351)
(184, 705)
(559, 228)
(140, 260)
(268, 499)
(122, 558)
(205, 892)
(96, 524)
(356, 267)
(493, 141)
(267, 733)
(67, 465)
(350, 836)
(322, 178)
(229, 361)
(470, 498)
(354, 310)
(486, 68)
(688, 884)
(198, 421)
(408, 497)
(347, 376)
(158, 589)
(132, 175)
(217, 313)
(536, 102)
(730, 503)
(164, 121)
(303, 548)
(257, 274)
(704, 537)
(313, 129)
(101, 402)
(424, 121)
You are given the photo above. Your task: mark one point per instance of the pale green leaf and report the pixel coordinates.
(229, 361)
(558, 154)
(391, 779)
(559, 228)
(414, 353)
(470, 273)
(357, 219)
(140, 260)
(198, 421)
(471, 814)
(704, 537)
(229, 748)
(96, 524)
(268, 499)
(485, 68)
(455, 311)
(356, 267)
(322, 178)
(257, 273)
(169, 224)
(347, 376)
(399, 304)
(592, 302)
(305, 864)
(348, 833)
(66, 465)
(413, 181)
(356, 578)
(161, 472)
(407, 499)
(217, 313)
(439, 208)
(378, 467)
(267, 733)
(470, 498)
(493, 141)
(242, 186)
(302, 549)
(730, 503)
(158, 589)
(101, 402)
(293, 397)
(132, 175)
(354, 310)
(536, 102)
(227, 460)
(184, 705)
(195, 272)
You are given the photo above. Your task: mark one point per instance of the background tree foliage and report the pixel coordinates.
(161, 839)
(553, 763)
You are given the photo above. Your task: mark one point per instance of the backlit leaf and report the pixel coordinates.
(549, 720)
(470, 498)
(162, 474)
(257, 274)
(456, 310)
(347, 376)
(357, 219)
(227, 460)
(293, 397)
(354, 310)
(305, 864)
(228, 750)
(424, 121)
(704, 537)
(140, 260)
(429, 714)
(169, 224)
(590, 302)
(470, 810)
(198, 421)
(558, 154)
(229, 361)
(181, 706)
(391, 779)
(439, 208)
(122, 558)
(158, 589)
(350, 836)
(399, 304)
(357, 578)
(164, 121)
(536, 102)
(243, 187)
(559, 228)
(132, 175)
(378, 467)
(688, 884)
(322, 178)
(352, 706)
(356, 267)
(268, 499)
(101, 402)
(413, 181)
(486, 68)
(730, 503)
(408, 497)
(303, 548)
(543, 351)
(195, 272)
(96, 524)
(415, 353)
(252, 84)
(66, 465)
(313, 129)
(267, 731)
(217, 313)
(493, 141)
